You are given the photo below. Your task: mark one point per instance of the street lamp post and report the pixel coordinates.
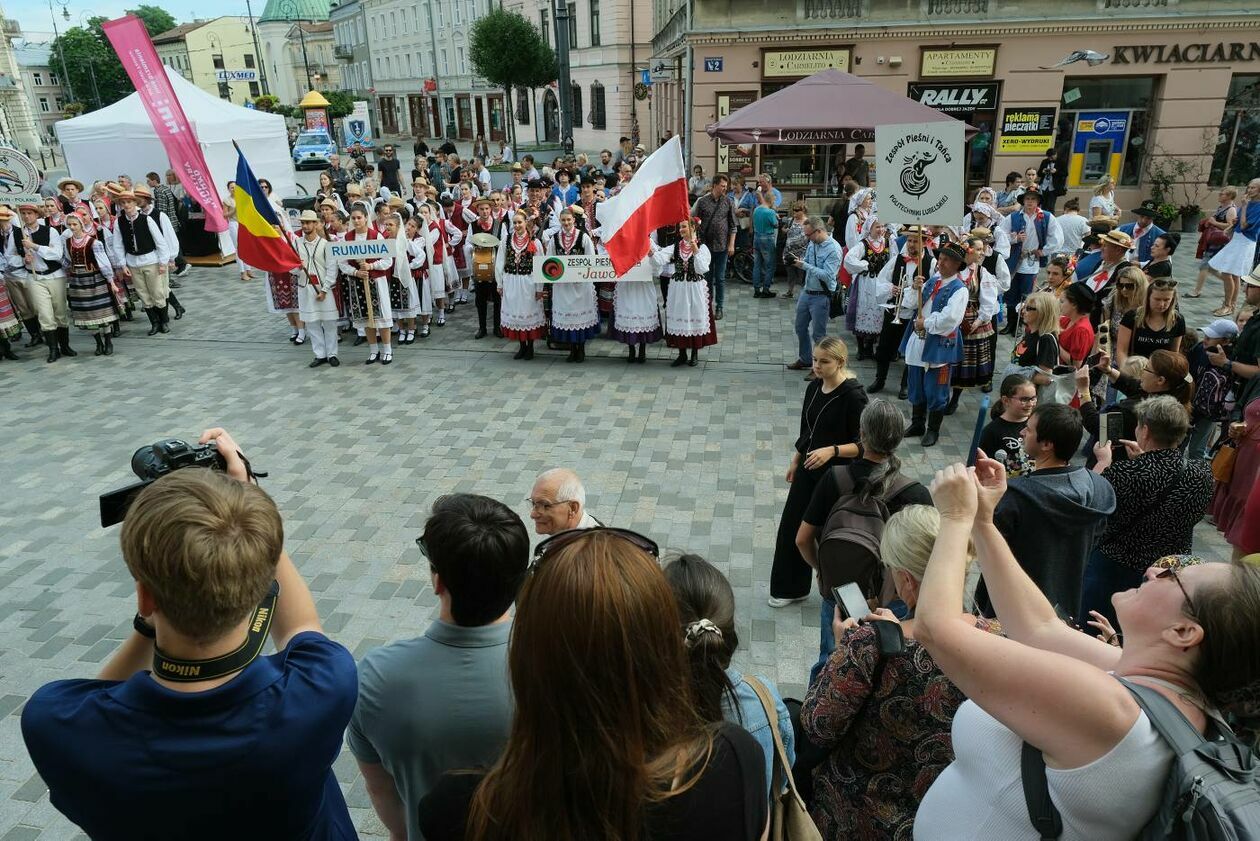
(65, 73)
(560, 13)
(289, 9)
(85, 22)
(262, 65)
(216, 61)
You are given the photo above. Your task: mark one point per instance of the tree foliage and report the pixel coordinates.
(508, 51)
(92, 67)
(340, 103)
(156, 19)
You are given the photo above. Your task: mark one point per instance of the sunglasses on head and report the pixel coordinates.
(1164, 283)
(564, 538)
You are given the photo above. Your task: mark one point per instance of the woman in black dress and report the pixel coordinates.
(830, 419)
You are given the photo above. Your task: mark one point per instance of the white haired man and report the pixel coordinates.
(557, 502)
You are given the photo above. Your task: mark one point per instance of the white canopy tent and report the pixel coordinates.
(120, 139)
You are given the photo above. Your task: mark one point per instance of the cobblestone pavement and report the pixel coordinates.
(694, 457)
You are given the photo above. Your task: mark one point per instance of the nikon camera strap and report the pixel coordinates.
(191, 671)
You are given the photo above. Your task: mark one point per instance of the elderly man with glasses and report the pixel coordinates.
(557, 503)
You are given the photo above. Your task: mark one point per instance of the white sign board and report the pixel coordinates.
(578, 268)
(19, 178)
(358, 126)
(236, 75)
(920, 168)
(363, 249)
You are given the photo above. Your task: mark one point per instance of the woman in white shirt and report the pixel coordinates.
(1056, 688)
(1073, 225)
(1103, 202)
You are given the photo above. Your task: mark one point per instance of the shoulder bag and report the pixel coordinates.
(789, 819)
(1223, 462)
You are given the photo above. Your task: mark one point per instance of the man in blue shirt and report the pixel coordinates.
(443, 702)
(765, 238)
(821, 265)
(215, 742)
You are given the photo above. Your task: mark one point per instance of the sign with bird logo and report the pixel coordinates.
(19, 178)
(920, 169)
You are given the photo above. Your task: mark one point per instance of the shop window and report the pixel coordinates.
(1105, 121)
(39, 78)
(576, 104)
(1237, 157)
(254, 90)
(598, 118)
(522, 106)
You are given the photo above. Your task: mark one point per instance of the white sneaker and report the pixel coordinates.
(775, 601)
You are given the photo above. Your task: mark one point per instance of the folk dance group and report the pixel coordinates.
(446, 248)
(74, 263)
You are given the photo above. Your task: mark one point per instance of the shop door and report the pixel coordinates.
(415, 112)
(495, 105)
(479, 114)
(464, 104)
(389, 118)
(449, 104)
(551, 116)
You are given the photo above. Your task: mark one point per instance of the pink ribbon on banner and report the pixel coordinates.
(139, 58)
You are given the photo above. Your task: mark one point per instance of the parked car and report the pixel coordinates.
(313, 148)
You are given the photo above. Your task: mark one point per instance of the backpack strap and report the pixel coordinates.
(1041, 809)
(1168, 721)
(782, 768)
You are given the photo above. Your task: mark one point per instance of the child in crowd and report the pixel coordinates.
(1133, 366)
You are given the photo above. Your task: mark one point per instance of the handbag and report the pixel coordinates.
(789, 819)
(1223, 462)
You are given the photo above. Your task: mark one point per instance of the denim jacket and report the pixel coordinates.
(752, 717)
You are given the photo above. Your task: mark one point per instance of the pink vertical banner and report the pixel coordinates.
(139, 58)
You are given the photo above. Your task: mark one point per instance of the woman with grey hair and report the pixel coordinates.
(874, 477)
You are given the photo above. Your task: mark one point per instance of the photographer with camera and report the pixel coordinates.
(187, 732)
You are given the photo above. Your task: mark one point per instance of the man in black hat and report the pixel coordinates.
(1143, 231)
(1035, 235)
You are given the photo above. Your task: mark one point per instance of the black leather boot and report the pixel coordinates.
(174, 303)
(100, 345)
(933, 433)
(54, 353)
(63, 342)
(520, 353)
(952, 406)
(6, 350)
(164, 319)
(881, 374)
(32, 329)
(529, 350)
(151, 312)
(681, 360)
(918, 421)
(109, 345)
(905, 388)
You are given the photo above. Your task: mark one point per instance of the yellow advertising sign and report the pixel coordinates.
(791, 63)
(977, 61)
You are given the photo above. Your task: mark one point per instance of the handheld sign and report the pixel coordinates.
(578, 268)
(364, 249)
(920, 172)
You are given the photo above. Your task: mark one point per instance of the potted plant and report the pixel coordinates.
(1166, 212)
(1190, 215)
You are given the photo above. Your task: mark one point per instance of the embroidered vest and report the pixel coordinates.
(82, 257)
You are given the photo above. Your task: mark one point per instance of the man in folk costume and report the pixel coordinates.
(140, 241)
(975, 369)
(689, 323)
(1099, 269)
(523, 317)
(367, 290)
(16, 279)
(315, 280)
(574, 312)
(1143, 232)
(932, 344)
(480, 257)
(899, 281)
(864, 261)
(88, 291)
(1034, 235)
(70, 196)
(144, 197)
(43, 259)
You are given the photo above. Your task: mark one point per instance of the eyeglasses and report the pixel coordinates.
(1164, 283)
(1126, 286)
(424, 549)
(1171, 572)
(1032, 399)
(557, 541)
(543, 505)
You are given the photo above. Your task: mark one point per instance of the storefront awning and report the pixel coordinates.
(828, 107)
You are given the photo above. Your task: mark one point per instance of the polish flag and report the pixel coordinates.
(654, 198)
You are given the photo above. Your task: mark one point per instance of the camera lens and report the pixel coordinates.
(146, 463)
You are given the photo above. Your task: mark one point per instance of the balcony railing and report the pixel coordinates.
(956, 8)
(343, 51)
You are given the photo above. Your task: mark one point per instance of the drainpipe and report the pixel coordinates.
(634, 70)
(690, 94)
(437, 94)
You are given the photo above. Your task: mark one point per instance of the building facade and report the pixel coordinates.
(1176, 83)
(609, 46)
(219, 56)
(19, 125)
(278, 38)
(350, 47)
(310, 51)
(41, 80)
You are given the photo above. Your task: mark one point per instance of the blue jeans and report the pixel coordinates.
(826, 640)
(1200, 436)
(717, 278)
(1021, 287)
(763, 261)
(815, 308)
(1103, 578)
(923, 386)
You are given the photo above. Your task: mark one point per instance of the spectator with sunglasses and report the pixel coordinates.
(558, 502)
(606, 741)
(1154, 325)
(442, 701)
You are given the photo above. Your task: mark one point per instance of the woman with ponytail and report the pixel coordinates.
(720, 693)
(1166, 373)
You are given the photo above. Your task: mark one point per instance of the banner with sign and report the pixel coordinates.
(966, 61)
(956, 98)
(790, 64)
(358, 126)
(363, 249)
(236, 75)
(1027, 130)
(921, 172)
(578, 268)
(741, 159)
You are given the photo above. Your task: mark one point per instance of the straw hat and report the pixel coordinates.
(1252, 279)
(1117, 237)
(328, 203)
(30, 205)
(142, 192)
(6, 213)
(308, 216)
(125, 195)
(354, 190)
(63, 183)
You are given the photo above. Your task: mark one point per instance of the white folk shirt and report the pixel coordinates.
(940, 323)
(53, 252)
(157, 255)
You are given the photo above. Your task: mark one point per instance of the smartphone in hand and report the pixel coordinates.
(1111, 428)
(851, 602)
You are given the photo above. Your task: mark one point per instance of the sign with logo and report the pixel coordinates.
(578, 268)
(249, 103)
(1218, 53)
(713, 65)
(921, 172)
(967, 61)
(1027, 130)
(363, 249)
(19, 179)
(735, 158)
(236, 75)
(1104, 124)
(1097, 146)
(956, 98)
(780, 64)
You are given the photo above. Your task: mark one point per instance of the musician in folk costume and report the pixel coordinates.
(367, 290)
(480, 256)
(523, 317)
(865, 261)
(1034, 235)
(316, 279)
(975, 369)
(689, 323)
(88, 289)
(574, 312)
(932, 344)
(896, 290)
(1143, 232)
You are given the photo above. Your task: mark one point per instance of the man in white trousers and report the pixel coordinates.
(315, 279)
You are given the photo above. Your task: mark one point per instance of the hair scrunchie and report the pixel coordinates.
(696, 631)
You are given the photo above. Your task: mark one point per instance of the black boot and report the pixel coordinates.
(529, 350)
(6, 350)
(643, 353)
(952, 406)
(520, 353)
(63, 342)
(32, 329)
(174, 303)
(581, 352)
(695, 357)
(918, 421)
(128, 311)
(933, 433)
(53, 353)
(573, 354)
(881, 374)
(109, 345)
(100, 345)
(681, 360)
(164, 319)
(115, 329)
(151, 312)
(633, 357)
(905, 388)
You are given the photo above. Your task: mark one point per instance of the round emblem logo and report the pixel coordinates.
(553, 268)
(18, 174)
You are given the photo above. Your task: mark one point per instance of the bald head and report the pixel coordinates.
(558, 501)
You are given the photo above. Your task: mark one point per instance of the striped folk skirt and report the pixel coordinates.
(91, 299)
(976, 367)
(9, 326)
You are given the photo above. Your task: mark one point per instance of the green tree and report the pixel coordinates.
(91, 65)
(340, 103)
(156, 19)
(509, 51)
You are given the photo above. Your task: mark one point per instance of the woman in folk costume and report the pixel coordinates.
(282, 299)
(53, 217)
(125, 295)
(636, 315)
(689, 321)
(367, 291)
(88, 289)
(440, 264)
(865, 261)
(861, 208)
(316, 279)
(451, 238)
(419, 253)
(975, 369)
(404, 297)
(461, 217)
(523, 318)
(574, 316)
(985, 215)
(10, 327)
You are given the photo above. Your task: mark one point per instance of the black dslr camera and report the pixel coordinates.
(153, 462)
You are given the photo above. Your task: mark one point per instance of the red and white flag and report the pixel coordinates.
(654, 198)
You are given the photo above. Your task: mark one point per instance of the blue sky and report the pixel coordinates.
(34, 17)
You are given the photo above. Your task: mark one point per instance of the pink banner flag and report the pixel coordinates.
(139, 58)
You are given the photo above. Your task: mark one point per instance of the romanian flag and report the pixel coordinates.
(258, 243)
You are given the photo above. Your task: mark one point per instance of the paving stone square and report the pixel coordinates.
(693, 457)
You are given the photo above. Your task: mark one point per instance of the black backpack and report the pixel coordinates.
(1212, 792)
(848, 551)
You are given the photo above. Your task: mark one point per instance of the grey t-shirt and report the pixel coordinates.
(436, 703)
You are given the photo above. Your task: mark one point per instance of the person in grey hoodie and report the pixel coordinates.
(1052, 517)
